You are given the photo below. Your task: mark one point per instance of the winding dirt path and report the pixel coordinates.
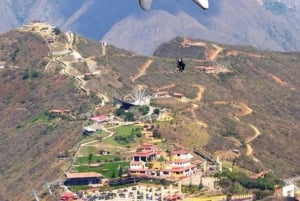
(213, 56)
(246, 110)
(195, 106)
(200, 92)
(250, 139)
(142, 70)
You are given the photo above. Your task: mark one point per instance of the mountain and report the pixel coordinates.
(266, 24)
(235, 98)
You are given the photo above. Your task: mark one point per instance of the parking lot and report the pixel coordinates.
(136, 193)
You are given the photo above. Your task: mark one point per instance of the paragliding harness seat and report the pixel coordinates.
(180, 65)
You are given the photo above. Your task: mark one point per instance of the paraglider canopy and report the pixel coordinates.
(203, 3)
(145, 4)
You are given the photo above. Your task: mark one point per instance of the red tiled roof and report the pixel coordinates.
(99, 118)
(67, 195)
(181, 152)
(147, 145)
(178, 94)
(144, 153)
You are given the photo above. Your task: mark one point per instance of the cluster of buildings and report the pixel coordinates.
(153, 163)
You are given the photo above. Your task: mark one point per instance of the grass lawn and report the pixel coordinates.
(126, 130)
(95, 159)
(107, 170)
(95, 136)
(86, 150)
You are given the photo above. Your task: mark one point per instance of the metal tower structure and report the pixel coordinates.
(138, 96)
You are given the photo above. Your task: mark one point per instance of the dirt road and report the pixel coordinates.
(142, 70)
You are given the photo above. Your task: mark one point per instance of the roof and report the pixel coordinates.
(178, 94)
(148, 145)
(181, 161)
(89, 129)
(144, 153)
(179, 169)
(99, 118)
(180, 152)
(67, 195)
(76, 175)
(59, 111)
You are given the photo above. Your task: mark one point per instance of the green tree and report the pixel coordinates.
(156, 111)
(200, 186)
(121, 171)
(144, 110)
(156, 134)
(90, 157)
(120, 112)
(113, 175)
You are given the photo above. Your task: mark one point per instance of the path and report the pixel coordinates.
(213, 56)
(142, 70)
(195, 106)
(201, 89)
(250, 139)
(246, 110)
(79, 81)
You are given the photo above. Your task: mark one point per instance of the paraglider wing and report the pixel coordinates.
(203, 3)
(145, 4)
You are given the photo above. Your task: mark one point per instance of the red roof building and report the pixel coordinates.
(99, 118)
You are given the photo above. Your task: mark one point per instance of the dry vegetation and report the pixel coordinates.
(30, 139)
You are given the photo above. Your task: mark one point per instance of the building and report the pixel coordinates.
(82, 178)
(100, 118)
(147, 153)
(178, 95)
(86, 131)
(68, 196)
(288, 190)
(206, 69)
(145, 164)
(160, 94)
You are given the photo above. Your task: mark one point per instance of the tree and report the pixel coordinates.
(120, 112)
(90, 158)
(156, 133)
(113, 175)
(144, 110)
(121, 171)
(156, 111)
(200, 183)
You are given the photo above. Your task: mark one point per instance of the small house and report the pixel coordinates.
(178, 95)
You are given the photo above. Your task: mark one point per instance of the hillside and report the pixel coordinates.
(266, 24)
(31, 136)
(248, 102)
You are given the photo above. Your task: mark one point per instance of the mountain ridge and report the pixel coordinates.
(230, 22)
